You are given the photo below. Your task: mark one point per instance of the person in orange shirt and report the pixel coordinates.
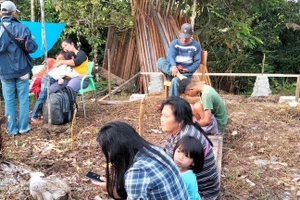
(56, 74)
(35, 86)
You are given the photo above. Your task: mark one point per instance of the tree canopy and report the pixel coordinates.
(236, 34)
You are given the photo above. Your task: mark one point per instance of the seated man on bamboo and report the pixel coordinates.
(184, 57)
(210, 111)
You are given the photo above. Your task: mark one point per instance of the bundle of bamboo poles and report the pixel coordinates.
(155, 26)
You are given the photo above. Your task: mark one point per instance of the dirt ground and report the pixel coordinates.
(261, 157)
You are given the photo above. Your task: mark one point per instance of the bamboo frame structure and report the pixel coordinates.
(137, 50)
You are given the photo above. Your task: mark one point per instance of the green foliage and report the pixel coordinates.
(282, 86)
(238, 34)
(235, 34)
(51, 15)
(89, 19)
(102, 85)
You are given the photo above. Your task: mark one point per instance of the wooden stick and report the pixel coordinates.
(104, 73)
(72, 129)
(109, 77)
(105, 102)
(141, 116)
(118, 88)
(234, 74)
(297, 89)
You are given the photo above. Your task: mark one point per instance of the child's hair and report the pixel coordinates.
(61, 53)
(192, 147)
(70, 55)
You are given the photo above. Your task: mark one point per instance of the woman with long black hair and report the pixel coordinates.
(136, 169)
(177, 122)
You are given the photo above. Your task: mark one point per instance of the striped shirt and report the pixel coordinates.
(208, 182)
(151, 177)
(188, 56)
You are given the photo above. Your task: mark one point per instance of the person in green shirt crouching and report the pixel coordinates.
(210, 111)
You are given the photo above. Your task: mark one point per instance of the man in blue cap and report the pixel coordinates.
(16, 42)
(184, 57)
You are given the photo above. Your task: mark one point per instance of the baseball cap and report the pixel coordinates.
(8, 7)
(186, 31)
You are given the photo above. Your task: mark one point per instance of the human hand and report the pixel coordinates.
(102, 185)
(174, 70)
(184, 70)
(60, 81)
(194, 119)
(57, 64)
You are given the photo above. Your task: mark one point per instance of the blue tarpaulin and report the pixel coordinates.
(53, 31)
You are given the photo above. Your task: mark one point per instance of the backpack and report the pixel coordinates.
(62, 105)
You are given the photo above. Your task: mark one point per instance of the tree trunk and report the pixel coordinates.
(46, 56)
(32, 10)
(194, 13)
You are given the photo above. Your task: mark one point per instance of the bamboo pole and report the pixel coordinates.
(109, 76)
(297, 89)
(32, 10)
(194, 13)
(118, 88)
(141, 116)
(45, 56)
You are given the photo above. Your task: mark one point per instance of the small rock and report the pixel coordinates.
(293, 103)
(156, 131)
(234, 132)
(298, 194)
(135, 97)
(97, 198)
(250, 183)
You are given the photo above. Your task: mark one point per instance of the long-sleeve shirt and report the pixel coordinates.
(154, 177)
(208, 182)
(188, 56)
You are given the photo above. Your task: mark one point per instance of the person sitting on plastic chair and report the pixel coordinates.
(56, 74)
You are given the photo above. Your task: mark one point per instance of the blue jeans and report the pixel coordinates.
(166, 68)
(38, 106)
(11, 88)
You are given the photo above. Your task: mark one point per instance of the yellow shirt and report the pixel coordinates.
(83, 68)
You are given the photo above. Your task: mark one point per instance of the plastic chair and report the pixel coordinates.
(90, 87)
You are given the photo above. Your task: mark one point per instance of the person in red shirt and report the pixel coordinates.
(35, 86)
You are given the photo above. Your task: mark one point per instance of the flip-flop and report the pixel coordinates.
(36, 121)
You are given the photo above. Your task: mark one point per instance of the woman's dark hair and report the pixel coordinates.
(193, 147)
(68, 40)
(183, 113)
(120, 143)
(181, 109)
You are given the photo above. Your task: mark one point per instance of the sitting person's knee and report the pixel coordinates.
(175, 80)
(197, 106)
(160, 62)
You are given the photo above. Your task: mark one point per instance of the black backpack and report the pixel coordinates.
(62, 105)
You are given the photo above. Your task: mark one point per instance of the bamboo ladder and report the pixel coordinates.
(196, 78)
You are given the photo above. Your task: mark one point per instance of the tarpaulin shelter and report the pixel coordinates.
(53, 31)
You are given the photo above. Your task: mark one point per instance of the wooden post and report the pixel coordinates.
(3, 120)
(141, 116)
(297, 89)
(194, 14)
(109, 77)
(121, 86)
(32, 10)
(45, 56)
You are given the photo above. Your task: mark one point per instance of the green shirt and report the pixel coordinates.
(211, 100)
